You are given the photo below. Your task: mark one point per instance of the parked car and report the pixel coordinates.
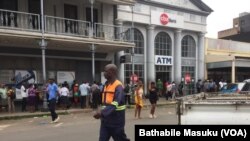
(233, 87)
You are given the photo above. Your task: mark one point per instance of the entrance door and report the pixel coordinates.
(34, 7)
(164, 76)
(9, 18)
(70, 12)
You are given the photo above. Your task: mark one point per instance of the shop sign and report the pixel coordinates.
(187, 78)
(163, 60)
(167, 19)
(134, 78)
(68, 76)
(24, 76)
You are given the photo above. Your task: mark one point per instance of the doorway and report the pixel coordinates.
(70, 13)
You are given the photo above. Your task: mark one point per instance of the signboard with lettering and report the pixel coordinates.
(167, 19)
(163, 60)
(26, 76)
(68, 76)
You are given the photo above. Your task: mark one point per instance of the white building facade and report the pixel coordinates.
(168, 37)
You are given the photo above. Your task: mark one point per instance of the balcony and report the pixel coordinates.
(14, 22)
(19, 21)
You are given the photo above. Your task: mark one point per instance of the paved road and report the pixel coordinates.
(76, 127)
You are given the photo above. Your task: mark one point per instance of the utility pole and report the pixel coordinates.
(92, 47)
(43, 45)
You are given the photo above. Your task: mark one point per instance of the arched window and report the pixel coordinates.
(188, 47)
(138, 40)
(163, 44)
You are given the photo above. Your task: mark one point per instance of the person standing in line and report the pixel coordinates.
(84, 92)
(153, 98)
(64, 94)
(53, 92)
(128, 92)
(11, 97)
(95, 95)
(24, 95)
(138, 100)
(159, 87)
(31, 98)
(112, 114)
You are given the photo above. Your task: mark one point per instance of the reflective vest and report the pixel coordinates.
(109, 94)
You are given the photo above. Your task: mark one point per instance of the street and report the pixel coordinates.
(77, 127)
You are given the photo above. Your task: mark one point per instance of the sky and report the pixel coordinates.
(224, 13)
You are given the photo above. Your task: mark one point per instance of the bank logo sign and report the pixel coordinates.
(163, 60)
(167, 19)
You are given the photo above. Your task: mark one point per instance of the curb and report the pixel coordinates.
(66, 112)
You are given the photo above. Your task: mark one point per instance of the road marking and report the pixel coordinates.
(59, 124)
(4, 126)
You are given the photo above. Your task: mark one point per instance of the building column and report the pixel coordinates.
(177, 56)
(201, 57)
(233, 71)
(120, 66)
(150, 54)
(92, 50)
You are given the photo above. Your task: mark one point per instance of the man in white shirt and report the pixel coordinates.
(84, 89)
(24, 95)
(64, 94)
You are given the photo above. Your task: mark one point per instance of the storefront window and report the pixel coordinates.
(188, 47)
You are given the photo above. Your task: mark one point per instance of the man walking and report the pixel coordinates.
(53, 91)
(113, 111)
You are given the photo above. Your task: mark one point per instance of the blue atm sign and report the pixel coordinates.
(163, 60)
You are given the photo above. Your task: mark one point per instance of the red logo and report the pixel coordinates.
(164, 19)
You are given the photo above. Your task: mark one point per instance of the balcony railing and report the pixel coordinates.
(61, 26)
(110, 32)
(64, 26)
(19, 20)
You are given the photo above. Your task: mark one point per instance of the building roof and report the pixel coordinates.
(205, 9)
(202, 5)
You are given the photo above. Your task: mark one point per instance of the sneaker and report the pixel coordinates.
(57, 119)
(150, 116)
(154, 116)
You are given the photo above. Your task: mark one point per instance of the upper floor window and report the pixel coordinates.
(192, 17)
(163, 44)
(203, 19)
(188, 46)
(138, 40)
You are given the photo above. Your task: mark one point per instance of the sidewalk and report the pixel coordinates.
(19, 115)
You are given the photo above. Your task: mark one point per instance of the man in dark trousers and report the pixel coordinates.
(53, 92)
(113, 107)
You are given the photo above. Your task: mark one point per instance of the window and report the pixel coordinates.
(192, 17)
(203, 19)
(163, 44)
(138, 70)
(188, 47)
(138, 40)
